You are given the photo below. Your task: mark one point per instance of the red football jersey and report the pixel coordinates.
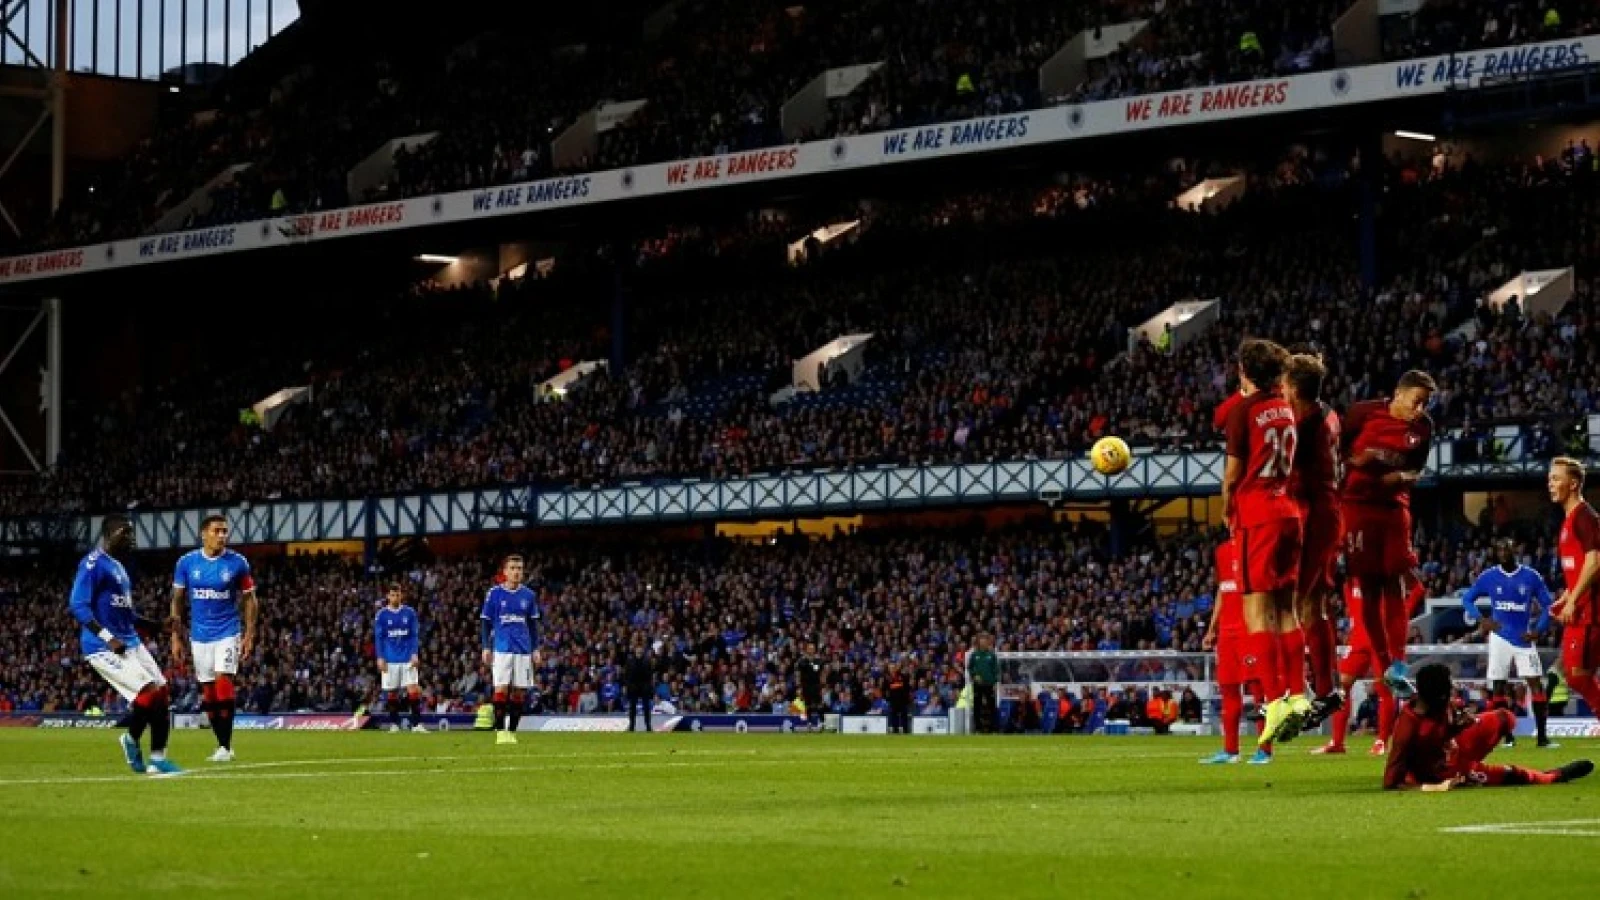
(1261, 432)
(1580, 534)
(1318, 469)
(1419, 750)
(1403, 447)
(1230, 603)
(1219, 419)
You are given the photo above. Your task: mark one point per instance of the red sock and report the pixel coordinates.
(1292, 660)
(1586, 687)
(1375, 594)
(1510, 776)
(1341, 724)
(1232, 712)
(1323, 647)
(1387, 710)
(1261, 659)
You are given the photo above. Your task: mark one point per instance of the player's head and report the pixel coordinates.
(1303, 379)
(1566, 479)
(1505, 551)
(395, 595)
(116, 535)
(511, 568)
(1434, 686)
(214, 534)
(1262, 363)
(1411, 395)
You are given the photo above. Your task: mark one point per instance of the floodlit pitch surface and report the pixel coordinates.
(744, 816)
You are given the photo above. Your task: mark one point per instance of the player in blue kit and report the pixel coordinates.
(222, 597)
(1513, 591)
(108, 633)
(396, 638)
(510, 633)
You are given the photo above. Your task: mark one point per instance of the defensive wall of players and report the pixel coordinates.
(782, 495)
(1310, 92)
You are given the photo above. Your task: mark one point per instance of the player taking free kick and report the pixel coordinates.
(1386, 446)
(510, 635)
(1578, 608)
(108, 633)
(218, 584)
(1265, 525)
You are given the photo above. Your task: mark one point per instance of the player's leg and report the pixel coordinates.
(1311, 607)
(157, 703)
(1540, 704)
(501, 675)
(1232, 696)
(1339, 718)
(414, 701)
(1580, 652)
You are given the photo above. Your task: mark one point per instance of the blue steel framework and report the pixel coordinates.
(792, 494)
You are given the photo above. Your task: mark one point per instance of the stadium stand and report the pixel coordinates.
(1013, 346)
(716, 81)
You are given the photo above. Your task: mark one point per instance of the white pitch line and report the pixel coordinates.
(1556, 828)
(234, 772)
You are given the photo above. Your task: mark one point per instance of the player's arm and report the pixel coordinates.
(379, 642)
(81, 602)
(416, 639)
(249, 609)
(1210, 638)
(1584, 583)
(533, 631)
(1411, 464)
(175, 614)
(1469, 605)
(486, 632)
(1541, 597)
(1396, 765)
(1238, 455)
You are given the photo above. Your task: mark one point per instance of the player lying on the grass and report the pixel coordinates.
(1439, 745)
(1514, 591)
(102, 602)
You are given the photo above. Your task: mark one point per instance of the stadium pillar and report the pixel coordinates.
(58, 110)
(619, 307)
(1122, 525)
(52, 386)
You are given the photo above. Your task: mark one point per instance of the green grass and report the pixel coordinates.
(745, 816)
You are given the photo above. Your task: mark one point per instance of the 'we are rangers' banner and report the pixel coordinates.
(1220, 103)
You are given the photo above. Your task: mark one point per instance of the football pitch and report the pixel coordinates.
(788, 816)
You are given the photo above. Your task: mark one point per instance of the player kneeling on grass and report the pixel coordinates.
(396, 635)
(102, 602)
(1438, 746)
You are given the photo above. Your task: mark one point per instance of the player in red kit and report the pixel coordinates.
(1317, 474)
(1578, 609)
(1360, 662)
(1439, 746)
(1265, 524)
(1386, 448)
(1226, 633)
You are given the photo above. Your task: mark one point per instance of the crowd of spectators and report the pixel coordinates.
(1012, 344)
(716, 78)
(726, 620)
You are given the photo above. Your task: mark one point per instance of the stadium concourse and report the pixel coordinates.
(728, 619)
(1009, 346)
(716, 80)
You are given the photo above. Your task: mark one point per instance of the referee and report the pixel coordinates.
(810, 677)
(639, 676)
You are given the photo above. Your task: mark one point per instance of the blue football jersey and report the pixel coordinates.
(214, 587)
(1511, 596)
(396, 634)
(513, 616)
(102, 592)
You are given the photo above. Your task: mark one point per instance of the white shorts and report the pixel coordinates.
(1504, 657)
(513, 670)
(214, 658)
(130, 671)
(398, 676)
